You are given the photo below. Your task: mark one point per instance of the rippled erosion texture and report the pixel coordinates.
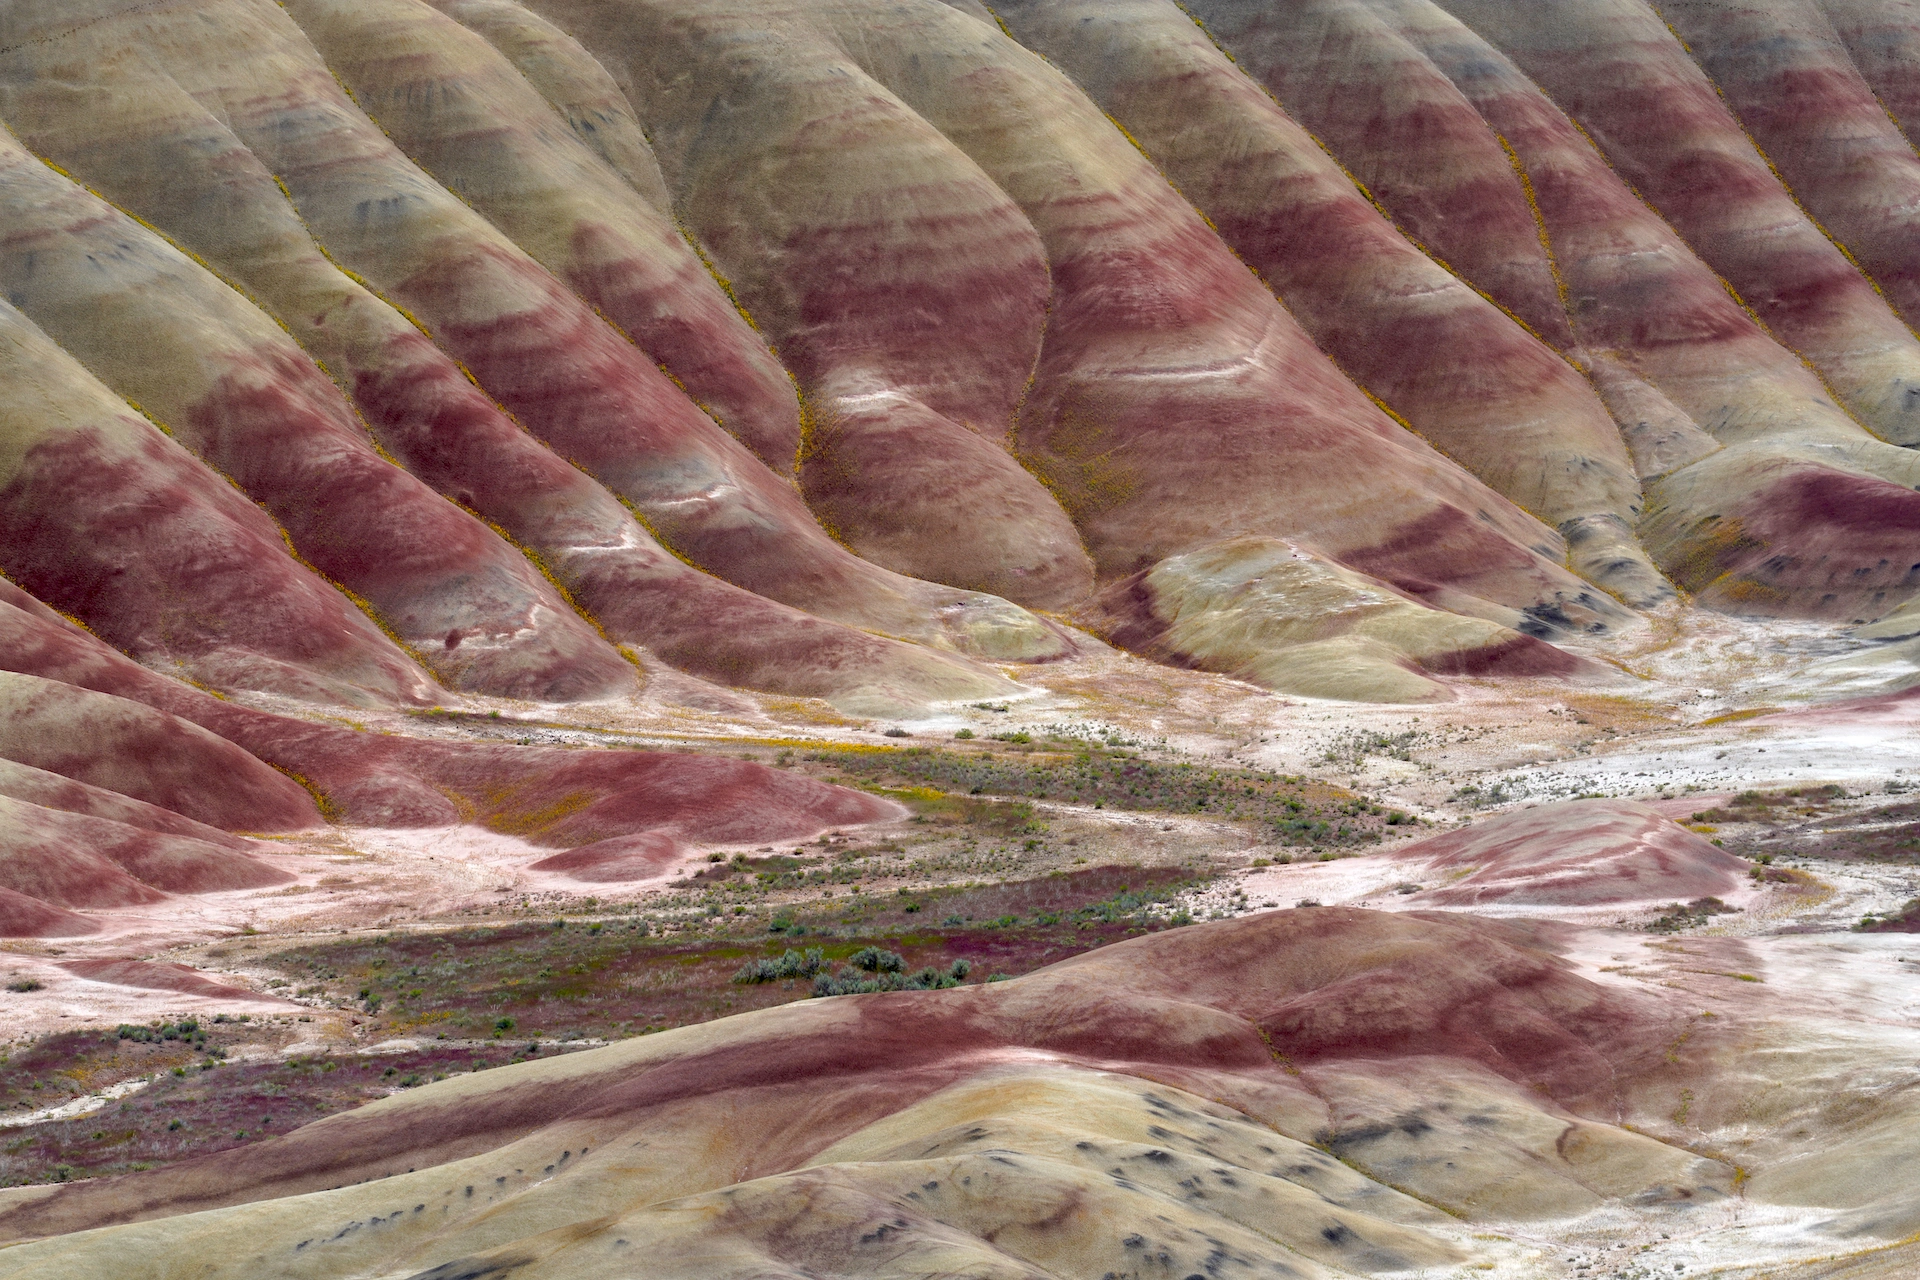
(886, 638)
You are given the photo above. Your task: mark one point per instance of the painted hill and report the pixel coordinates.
(487, 347)
(371, 367)
(120, 784)
(1310, 1092)
(1582, 853)
(801, 361)
(1160, 1097)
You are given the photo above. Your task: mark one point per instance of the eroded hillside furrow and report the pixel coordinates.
(185, 170)
(108, 519)
(906, 292)
(1157, 415)
(535, 346)
(230, 386)
(791, 345)
(1617, 68)
(469, 119)
(1468, 379)
(1725, 423)
(1788, 78)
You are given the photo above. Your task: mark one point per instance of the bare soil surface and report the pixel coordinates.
(1119, 798)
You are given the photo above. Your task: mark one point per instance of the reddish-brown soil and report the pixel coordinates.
(495, 990)
(1582, 853)
(413, 412)
(24, 916)
(199, 1103)
(160, 977)
(1234, 1003)
(606, 978)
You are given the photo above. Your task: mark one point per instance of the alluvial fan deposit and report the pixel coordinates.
(1199, 571)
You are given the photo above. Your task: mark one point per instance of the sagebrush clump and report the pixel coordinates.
(882, 971)
(791, 964)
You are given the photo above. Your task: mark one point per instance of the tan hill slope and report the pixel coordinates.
(119, 784)
(754, 328)
(536, 300)
(1310, 1092)
(1050, 1122)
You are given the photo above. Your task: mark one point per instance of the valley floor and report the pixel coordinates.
(1120, 800)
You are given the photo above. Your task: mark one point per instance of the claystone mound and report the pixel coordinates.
(164, 977)
(79, 861)
(1573, 854)
(25, 916)
(615, 860)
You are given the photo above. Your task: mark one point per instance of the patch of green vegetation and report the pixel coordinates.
(1128, 904)
(790, 964)
(885, 971)
(1474, 796)
(1689, 915)
(1763, 806)
(188, 1030)
(945, 786)
(183, 1114)
(578, 980)
(1906, 920)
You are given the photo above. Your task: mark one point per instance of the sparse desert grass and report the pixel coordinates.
(808, 711)
(611, 978)
(1905, 920)
(1763, 806)
(1353, 748)
(1620, 714)
(940, 783)
(1689, 915)
(197, 1104)
(1819, 820)
(503, 994)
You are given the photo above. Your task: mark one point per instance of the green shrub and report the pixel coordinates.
(188, 1029)
(851, 982)
(876, 960)
(791, 964)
